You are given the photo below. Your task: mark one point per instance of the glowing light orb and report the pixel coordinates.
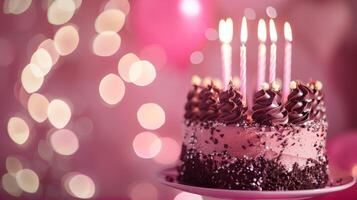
(211, 34)
(10, 186)
(44, 150)
(190, 7)
(151, 116)
(146, 145)
(125, 64)
(106, 43)
(58, 113)
(60, 11)
(196, 57)
(142, 73)
(42, 63)
(64, 142)
(80, 186)
(37, 106)
(170, 151)
(111, 89)
(7, 52)
(18, 130)
(155, 54)
(30, 82)
(271, 12)
(143, 191)
(66, 40)
(49, 46)
(13, 165)
(122, 5)
(16, 7)
(186, 195)
(27, 180)
(110, 20)
(249, 13)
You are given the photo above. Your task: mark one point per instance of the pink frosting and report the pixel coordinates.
(294, 145)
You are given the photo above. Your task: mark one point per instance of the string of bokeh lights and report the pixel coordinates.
(132, 69)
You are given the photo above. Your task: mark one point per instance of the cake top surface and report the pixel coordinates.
(210, 103)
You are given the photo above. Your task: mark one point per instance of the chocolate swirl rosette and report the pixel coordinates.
(268, 108)
(299, 103)
(231, 108)
(318, 109)
(208, 106)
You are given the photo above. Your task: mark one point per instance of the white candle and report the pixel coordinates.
(273, 49)
(243, 60)
(262, 36)
(225, 36)
(287, 59)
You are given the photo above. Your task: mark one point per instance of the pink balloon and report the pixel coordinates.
(178, 28)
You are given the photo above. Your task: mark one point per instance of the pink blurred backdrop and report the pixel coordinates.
(324, 48)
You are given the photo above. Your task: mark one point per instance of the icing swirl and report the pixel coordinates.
(208, 105)
(318, 109)
(231, 108)
(192, 104)
(268, 108)
(299, 104)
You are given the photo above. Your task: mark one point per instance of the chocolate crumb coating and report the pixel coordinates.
(192, 104)
(318, 108)
(299, 104)
(231, 108)
(268, 108)
(208, 103)
(249, 173)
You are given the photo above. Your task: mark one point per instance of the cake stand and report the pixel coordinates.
(338, 181)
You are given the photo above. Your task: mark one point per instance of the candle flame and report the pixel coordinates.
(287, 32)
(244, 31)
(225, 30)
(272, 29)
(262, 31)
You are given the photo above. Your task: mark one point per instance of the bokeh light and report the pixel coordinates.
(249, 13)
(44, 150)
(125, 64)
(143, 191)
(271, 12)
(16, 6)
(18, 130)
(66, 40)
(41, 62)
(151, 116)
(49, 46)
(142, 73)
(186, 196)
(155, 54)
(110, 20)
(79, 186)
(83, 126)
(122, 5)
(13, 165)
(190, 7)
(146, 145)
(196, 57)
(64, 142)
(37, 107)
(60, 11)
(27, 180)
(30, 82)
(106, 43)
(7, 53)
(169, 153)
(111, 89)
(10, 186)
(211, 34)
(58, 113)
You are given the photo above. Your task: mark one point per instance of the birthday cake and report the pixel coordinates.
(276, 145)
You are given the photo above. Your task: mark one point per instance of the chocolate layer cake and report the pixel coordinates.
(277, 145)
